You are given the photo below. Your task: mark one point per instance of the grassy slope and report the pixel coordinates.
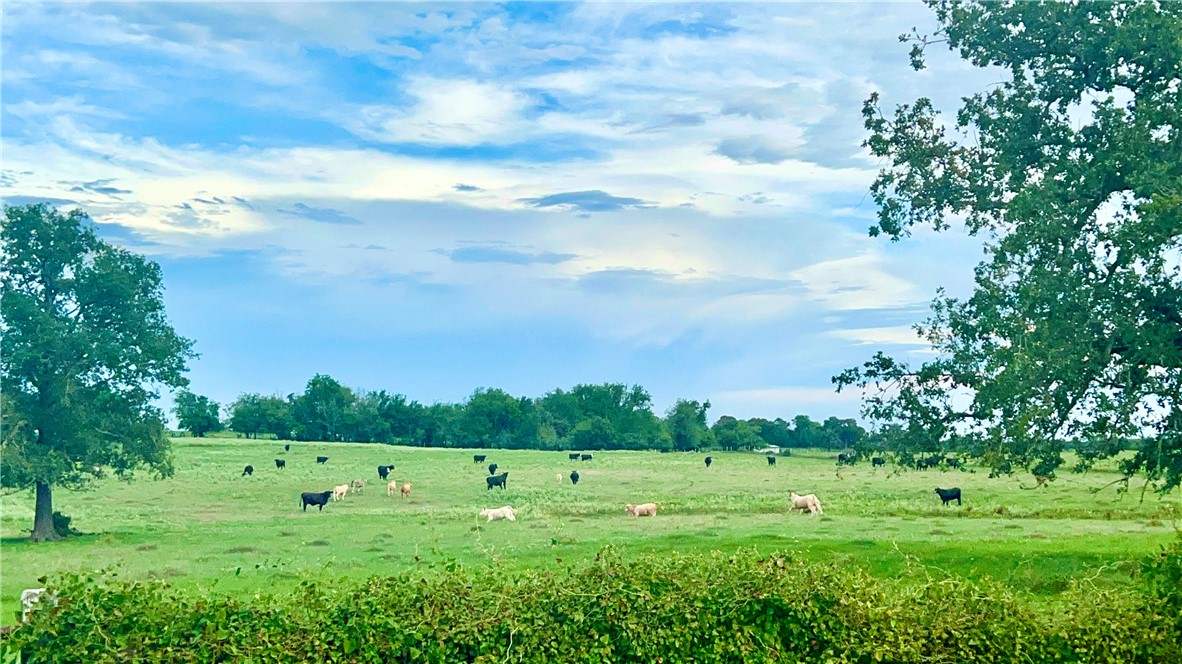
(209, 527)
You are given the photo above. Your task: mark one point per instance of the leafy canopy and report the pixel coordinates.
(86, 346)
(1071, 172)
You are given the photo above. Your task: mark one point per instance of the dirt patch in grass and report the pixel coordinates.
(317, 543)
(165, 573)
(937, 531)
(286, 533)
(146, 547)
(244, 549)
(1036, 536)
(1013, 525)
(1154, 523)
(374, 549)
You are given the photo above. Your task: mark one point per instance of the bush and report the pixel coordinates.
(664, 609)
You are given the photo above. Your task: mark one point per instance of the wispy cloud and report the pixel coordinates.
(322, 215)
(587, 201)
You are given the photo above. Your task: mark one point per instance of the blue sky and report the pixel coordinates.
(431, 198)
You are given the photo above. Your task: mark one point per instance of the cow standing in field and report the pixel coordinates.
(558, 477)
(318, 499)
(356, 486)
(339, 492)
(709, 460)
(644, 509)
(492, 469)
(501, 480)
(391, 487)
(479, 458)
(405, 490)
(321, 459)
(280, 463)
(877, 461)
(287, 448)
(771, 461)
(808, 502)
(573, 456)
(248, 470)
(505, 512)
(574, 477)
(586, 457)
(383, 472)
(949, 495)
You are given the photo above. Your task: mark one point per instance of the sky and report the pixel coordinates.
(434, 198)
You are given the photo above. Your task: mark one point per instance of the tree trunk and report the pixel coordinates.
(43, 520)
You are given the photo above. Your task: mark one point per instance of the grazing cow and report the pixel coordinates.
(558, 477)
(808, 502)
(505, 512)
(586, 457)
(31, 596)
(645, 509)
(383, 471)
(287, 448)
(280, 463)
(952, 462)
(391, 487)
(492, 469)
(357, 486)
(248, 470)
(479, 458)
(574, 456)
(877, 461)
(319, 499)
(574, 477)
(321, 459)
(405, 490)
(949, 495)
(501, 480)
(709, 460)
(771, 461)
(844, 459)
(339, 492)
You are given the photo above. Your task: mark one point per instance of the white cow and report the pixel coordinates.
(391, 487)
(808, 502)
(340, 491)
(31, 596)
(644, 509)
(505, 512)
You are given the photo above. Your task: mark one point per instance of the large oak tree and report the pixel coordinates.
(87, 345)
(1070, 170)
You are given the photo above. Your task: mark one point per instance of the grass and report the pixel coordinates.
(209, 528)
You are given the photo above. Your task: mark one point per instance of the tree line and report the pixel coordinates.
(609, 416)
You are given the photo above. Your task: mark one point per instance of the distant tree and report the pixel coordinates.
(594, 433)
(845, 432)
(686, 424)
(732, 434)
(320, 412)
(1070, 170)
(495, 418)
(197, 414)
(86, 342)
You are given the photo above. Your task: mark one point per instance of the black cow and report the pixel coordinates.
(709, 460)
(321, 459)
(574, 477)
(479, 458)
(248, 470)
(574, 456)
(844, 459)
(318, 499)
(586, 457)
(383, 471)
(280, 463)
(771, 461)
(287, 448)
(929, 462)
(949, 495)
(952, 463)
(878, 461)
(501, 480)
(492, 469)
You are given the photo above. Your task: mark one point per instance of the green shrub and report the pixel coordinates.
(667, 609)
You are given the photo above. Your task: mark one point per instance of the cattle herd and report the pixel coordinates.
(806, 503)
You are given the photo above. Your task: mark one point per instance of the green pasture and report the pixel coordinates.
(208, 527)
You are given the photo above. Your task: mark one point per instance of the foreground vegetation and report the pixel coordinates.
(212, 530)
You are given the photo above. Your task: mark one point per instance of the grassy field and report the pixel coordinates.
(207, 527)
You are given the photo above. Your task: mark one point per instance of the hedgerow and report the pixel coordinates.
(700, 608)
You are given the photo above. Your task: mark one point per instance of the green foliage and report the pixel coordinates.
(696, 608)
(197, 414)
(86, 344)
(252, 414)
(686, 423)
(1070, 169)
